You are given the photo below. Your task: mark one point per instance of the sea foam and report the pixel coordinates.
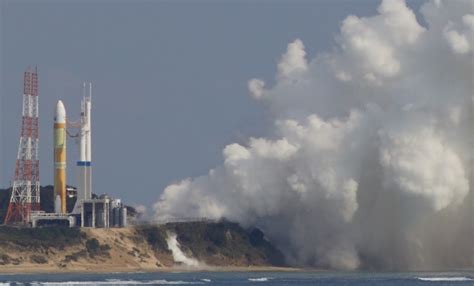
(450, 279)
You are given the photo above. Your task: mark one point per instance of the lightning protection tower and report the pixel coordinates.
(26, 186)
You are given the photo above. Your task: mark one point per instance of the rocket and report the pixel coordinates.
(84, 164)
(60, 158)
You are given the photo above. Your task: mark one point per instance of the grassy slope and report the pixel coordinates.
(216, 244)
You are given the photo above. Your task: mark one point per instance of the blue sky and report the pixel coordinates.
(170, 79)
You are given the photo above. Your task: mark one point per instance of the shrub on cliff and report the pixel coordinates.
(155, 236)
(38, 259)
(55, 237)
(94, 248)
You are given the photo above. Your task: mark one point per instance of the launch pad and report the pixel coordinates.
(41, 218)
(24, 207)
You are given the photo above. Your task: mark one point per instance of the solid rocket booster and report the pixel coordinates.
(60, 158)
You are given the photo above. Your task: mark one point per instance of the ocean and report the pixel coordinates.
(243, 278)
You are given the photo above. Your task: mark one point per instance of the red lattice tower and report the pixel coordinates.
(26, 185)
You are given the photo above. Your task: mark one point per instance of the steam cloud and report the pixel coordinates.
(178, 254)
(370, 163)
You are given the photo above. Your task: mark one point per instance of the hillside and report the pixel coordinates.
(211, 244)
(216, 243)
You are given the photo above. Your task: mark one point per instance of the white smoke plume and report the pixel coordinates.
(178, 254)
(370, 165)
(141, 212)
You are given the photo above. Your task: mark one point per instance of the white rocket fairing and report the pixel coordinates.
(84, 164)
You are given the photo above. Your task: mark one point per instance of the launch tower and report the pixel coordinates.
(84, 184)
(25, 195)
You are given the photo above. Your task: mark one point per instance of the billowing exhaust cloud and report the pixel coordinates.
(370, 167)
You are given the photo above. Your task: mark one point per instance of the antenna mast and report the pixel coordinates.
(25, 195)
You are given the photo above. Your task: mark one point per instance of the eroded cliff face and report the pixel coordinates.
(146, 248)
(214, 243)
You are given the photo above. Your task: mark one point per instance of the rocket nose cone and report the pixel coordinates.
(60, 113)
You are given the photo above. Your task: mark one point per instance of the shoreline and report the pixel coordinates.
(36, 269)
(93, 269)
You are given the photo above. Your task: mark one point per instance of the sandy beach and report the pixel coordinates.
(34, 268)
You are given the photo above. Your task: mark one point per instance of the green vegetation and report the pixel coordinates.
(75, 256)
(54, 237)
(4, 259)
(155, 236)
(94, 248)
(4, 200)
(204, 239)
(39, 259)
(216, 243)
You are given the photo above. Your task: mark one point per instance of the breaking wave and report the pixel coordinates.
(445, 279)
(261, 279)
(115, 282)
